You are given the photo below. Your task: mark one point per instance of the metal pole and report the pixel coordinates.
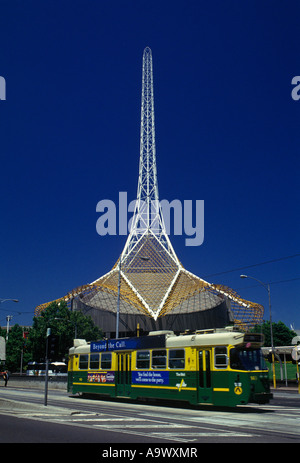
(272, 341)
(267, 287)
(285, 370)
(21, 362)
(47, 368)
(118, 303)
(298, 379)
(8, 318)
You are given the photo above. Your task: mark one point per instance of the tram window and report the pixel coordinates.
(106, 361)
(159, 359)
(221, 359)
(94, 362)
(83, 361)
(247, 359)
(176, 358)
(143, 359)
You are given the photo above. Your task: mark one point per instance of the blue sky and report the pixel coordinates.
(227, 132)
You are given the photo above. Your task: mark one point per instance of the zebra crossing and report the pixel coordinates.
(161, 429)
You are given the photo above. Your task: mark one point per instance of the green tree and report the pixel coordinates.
(282, 335)
(64, 324)
(16, 348)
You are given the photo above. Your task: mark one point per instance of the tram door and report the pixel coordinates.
(204, 376)
(70, 373)
(123, 374)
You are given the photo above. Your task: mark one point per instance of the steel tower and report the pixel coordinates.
(147, 215)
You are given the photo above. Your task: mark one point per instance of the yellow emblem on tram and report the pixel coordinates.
(238, 390)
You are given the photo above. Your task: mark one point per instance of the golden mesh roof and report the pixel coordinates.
(153, 284)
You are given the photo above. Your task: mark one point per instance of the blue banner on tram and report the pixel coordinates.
(155, 378)
(149, 342)
(98, 346)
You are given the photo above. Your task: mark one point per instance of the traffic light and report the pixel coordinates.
(52, 341)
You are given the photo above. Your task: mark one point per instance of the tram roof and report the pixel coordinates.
(167, 339)
(206, 339)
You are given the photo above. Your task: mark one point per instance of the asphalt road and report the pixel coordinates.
(114, 425)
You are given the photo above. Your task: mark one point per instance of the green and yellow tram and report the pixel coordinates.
(221, 367)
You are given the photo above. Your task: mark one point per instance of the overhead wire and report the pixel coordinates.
(270, 283)
(253, 265)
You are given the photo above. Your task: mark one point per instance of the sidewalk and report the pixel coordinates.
(35, 382)
(282, 387)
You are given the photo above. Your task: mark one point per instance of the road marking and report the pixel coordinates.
(141, 427)
(205, 434)
(108, 419)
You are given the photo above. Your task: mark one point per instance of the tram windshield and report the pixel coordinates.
(247, 359)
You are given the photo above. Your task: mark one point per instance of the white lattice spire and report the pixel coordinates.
(148, 218)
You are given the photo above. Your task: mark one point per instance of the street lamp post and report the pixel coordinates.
(267, 287)
(144, 258)
(8, 317)
(3, 300)
(118, 302)
(47, 368)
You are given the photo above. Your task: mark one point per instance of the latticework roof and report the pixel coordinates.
(151, 283)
